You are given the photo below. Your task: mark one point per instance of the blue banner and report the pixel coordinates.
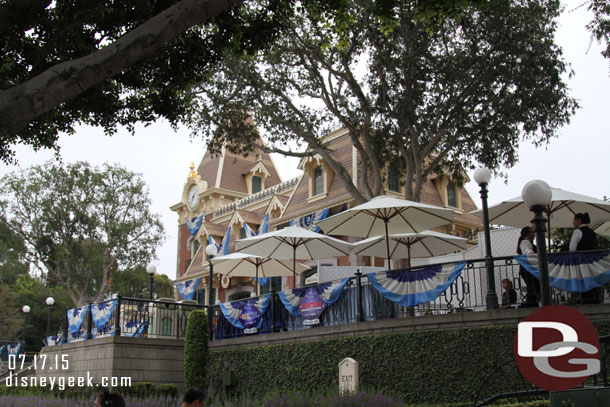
(76, 317)
(188, 288)
(194, 224)
(101, 314)
(409, 288)
(309, 297)
(310, 221)
(246, 314)
(14, 349)
(573, 272)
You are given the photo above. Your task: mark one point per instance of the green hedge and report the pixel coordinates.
(438, 366)
(196, 350)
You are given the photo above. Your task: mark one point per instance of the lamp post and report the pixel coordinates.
(25, 310)
(537, 195)
(151, 269)
(482, 177)
(49, 301)
(211, 251)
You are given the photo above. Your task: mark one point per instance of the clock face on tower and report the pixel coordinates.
(193, 196)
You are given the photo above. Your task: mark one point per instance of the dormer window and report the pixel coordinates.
(318, 181)
(451, 194)
(257, 184)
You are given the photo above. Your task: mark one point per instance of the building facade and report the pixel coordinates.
(230, 194)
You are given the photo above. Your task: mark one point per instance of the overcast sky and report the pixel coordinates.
(579, 160)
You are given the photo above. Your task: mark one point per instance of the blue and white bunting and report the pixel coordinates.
(54, 340)
(249, 231)
(329, 292)
(2, 348)
(262, 280)
(264, 227)
(13, 349)
(224, 245)
(310, 222)
(101, 314)
(134, 328)
(233, 311)
(188, 288)
(573, 272)
(194, 224)
(76, 317)
(410, 288)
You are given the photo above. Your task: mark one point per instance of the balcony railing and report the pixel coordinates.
(360, 301)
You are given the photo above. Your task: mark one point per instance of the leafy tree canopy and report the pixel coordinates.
(81, 223)
(600, 25)
(136, 284)
(468, 91)
(111, 63)
(12, 255)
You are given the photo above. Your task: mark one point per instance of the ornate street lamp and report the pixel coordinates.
(482, 177)
(49, 301)
(151, 269)
(537, 196)
(25, 310)
(211, 251)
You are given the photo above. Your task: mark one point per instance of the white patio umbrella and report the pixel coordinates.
(249, 265)
(560, 212)
(385, 215)
(294, 243)
(407, 245)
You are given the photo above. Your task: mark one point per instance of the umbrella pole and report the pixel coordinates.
(387, 244)
(256, 280)
(294, 267)
(409, 256)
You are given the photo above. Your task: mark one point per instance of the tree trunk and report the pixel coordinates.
(62, 82)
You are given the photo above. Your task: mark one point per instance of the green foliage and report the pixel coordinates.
(34, 292)
(447, 79)
(142, 390)
(196, 350)
(136, 284)
(438, 366)
(12, 254)
(600, 25)
(10, 319)
(81, 223)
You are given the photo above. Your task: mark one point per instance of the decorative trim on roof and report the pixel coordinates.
(259, 167)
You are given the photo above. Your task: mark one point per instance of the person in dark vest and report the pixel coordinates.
(194, 397)
(583, 238)
(525, 245)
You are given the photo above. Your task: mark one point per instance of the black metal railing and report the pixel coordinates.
(360, 301)
(133, 317)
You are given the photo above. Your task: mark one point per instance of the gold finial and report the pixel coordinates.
(193, 174)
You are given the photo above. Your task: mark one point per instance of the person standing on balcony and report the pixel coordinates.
(525, 245)
(583, 238)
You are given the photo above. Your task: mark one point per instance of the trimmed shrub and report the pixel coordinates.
(196, 350)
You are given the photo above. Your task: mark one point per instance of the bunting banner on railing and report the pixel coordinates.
(76, 317)
(246, 314)
(573, 272)
(188, 288)
(101, 314)
(134, 328)
(55, 340)
(410, 288)
(194, 224)
(13, 349)
(310, 302)
(310, 221)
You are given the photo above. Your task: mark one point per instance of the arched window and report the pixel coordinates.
(451, 194)
(318, 181)
(256, 184)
